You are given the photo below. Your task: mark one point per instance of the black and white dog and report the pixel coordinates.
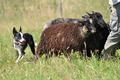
(21, 41)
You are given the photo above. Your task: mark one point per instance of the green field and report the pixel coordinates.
(31, 15)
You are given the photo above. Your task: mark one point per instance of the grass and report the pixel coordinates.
(31, 15)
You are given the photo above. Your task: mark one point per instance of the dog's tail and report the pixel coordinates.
(36, 44)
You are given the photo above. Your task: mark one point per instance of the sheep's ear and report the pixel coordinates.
(88, 13)
(20, 29)
(14, 30)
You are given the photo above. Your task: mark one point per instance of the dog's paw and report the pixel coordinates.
(16, 61)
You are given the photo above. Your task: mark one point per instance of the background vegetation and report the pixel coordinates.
(31, 15)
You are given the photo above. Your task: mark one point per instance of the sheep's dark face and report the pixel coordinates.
(100, 19)
(87, 27)
(95, 18)
(90, 27)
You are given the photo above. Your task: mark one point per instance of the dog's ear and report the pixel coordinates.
(14, 30)
(20, 29)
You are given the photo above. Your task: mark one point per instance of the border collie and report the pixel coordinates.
(21, 41)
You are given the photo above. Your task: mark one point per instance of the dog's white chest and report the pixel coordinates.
(17, 46)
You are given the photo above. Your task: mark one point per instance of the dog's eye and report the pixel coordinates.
(23, 36)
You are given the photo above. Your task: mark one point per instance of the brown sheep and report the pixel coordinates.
(63, 38)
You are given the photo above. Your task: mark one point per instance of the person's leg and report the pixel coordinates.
(111, 43)
(114, 36)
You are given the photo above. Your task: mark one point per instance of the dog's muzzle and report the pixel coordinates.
(21, 42)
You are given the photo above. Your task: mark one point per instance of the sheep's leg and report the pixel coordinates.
(85, 50)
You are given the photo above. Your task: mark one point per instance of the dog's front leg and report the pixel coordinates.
(20, 56)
